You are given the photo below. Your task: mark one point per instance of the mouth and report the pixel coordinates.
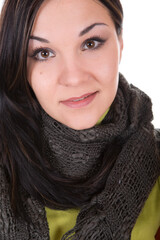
(78, 102)
(75, 99)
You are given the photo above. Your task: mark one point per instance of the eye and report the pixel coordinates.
(42, 54)
(93, 43)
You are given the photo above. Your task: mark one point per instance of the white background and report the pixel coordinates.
(141, 56)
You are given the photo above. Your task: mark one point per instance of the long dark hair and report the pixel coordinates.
(19, 117)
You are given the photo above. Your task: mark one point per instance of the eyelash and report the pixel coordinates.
(38, 50)
(98, 39)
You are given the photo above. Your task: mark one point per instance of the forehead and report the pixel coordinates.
(65, 15)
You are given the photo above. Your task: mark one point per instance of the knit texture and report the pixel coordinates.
(112, 212)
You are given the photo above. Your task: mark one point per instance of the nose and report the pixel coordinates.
(73, 72)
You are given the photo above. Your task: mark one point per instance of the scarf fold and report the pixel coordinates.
(112, 212)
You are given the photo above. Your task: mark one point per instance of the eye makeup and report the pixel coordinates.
(96, 39)
(36, 51)
(94, 43)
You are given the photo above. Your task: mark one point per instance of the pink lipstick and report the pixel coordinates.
(82, 101)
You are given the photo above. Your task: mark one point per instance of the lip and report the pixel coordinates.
(82, 101)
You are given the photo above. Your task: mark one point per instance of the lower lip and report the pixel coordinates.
(82, 103)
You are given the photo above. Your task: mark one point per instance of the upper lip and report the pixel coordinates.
(76, 98)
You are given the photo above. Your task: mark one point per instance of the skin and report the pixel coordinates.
(72, 68)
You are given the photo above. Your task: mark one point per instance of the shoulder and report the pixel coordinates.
(157, 135)
(148, 221)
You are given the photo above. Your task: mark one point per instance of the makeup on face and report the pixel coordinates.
(93, 43)
(79, 102)
(73, 62)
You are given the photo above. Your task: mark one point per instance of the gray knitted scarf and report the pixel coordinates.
(111, 213)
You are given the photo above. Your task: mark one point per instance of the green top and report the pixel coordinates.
(146, 225)
(148, 221)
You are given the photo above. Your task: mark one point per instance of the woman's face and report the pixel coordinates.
(73, 58)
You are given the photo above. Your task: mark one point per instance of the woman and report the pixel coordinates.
(76, 139)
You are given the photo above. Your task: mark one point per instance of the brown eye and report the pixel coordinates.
(93, 43)
(45, 54)
(90, 44)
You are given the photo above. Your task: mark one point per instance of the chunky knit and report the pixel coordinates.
(112, 211)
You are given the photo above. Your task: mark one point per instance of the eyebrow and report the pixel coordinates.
(89, 28)
(83, 32)
(39, 39)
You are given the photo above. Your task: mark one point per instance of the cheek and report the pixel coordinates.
(39, 78)
(107, 68)
(106, 63)
(40, 86)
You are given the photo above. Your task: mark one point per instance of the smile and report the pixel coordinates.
(79, 102)
(76, 100)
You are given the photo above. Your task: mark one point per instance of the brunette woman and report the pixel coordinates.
(79, 155)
